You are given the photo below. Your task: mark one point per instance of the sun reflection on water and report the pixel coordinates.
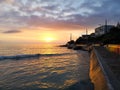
(51, 72)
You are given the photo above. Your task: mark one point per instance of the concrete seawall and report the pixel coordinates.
(101, 74)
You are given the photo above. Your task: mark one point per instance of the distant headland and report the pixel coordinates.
(103, 35)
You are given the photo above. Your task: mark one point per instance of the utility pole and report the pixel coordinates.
(70, 36)
(86, 31)
(106, 26)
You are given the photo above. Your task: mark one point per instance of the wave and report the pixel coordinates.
(24, 56)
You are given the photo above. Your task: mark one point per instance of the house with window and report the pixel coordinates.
(103, 29)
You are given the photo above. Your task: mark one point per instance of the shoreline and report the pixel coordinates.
(108, 72)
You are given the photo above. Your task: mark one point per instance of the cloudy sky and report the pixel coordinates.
(53, 20)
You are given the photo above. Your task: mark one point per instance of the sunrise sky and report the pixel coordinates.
(52, 21)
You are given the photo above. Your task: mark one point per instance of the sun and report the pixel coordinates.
(49, 39)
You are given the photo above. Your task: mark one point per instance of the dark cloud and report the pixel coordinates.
(1, 1)
(12, 31)
(52, 23)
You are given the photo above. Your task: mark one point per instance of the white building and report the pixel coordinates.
(103, 29)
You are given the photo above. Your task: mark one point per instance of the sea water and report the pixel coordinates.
(42, 67)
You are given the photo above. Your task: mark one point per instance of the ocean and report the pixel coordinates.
(43, 67)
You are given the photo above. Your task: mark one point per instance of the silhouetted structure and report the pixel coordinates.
(106, 34)
(118, 25)
(103, 30)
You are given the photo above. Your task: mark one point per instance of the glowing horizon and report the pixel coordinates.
(44, 21)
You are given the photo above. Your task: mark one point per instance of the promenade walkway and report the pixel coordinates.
(105, 69)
